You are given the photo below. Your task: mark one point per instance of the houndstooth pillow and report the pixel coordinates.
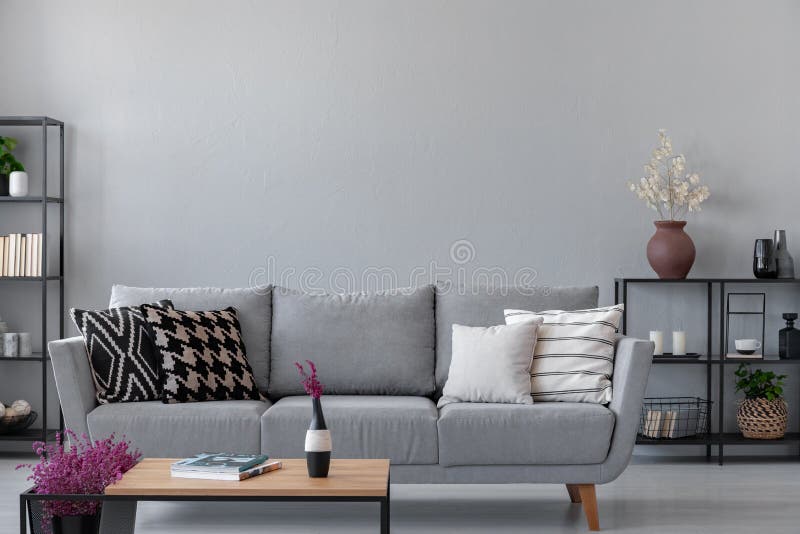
(202, 355)
(123, 360)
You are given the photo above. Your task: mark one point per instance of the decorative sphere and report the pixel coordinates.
(20, 407)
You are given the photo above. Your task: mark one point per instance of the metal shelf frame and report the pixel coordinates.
(43, 200)
(710, 359)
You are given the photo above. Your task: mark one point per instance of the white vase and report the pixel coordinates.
(18, 184)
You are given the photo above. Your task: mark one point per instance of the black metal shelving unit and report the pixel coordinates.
(711, 358)
(45, 124)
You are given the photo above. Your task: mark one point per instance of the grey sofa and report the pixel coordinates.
(383, 359)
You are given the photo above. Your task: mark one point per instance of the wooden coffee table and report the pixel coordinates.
(150, 480)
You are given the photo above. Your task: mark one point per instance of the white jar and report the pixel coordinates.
(18, 184)
(10, 345)
(24, 347)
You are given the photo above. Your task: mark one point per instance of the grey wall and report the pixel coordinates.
(205, 137)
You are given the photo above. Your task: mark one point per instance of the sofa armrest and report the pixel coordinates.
(74, 382)
(631, 368)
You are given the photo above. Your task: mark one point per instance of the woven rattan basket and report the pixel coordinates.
(762, 418)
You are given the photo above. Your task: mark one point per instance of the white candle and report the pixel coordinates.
(657, 337)
(679, 343)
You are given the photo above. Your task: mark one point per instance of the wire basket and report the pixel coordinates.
(667, 418)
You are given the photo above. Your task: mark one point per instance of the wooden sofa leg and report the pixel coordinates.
(589, 499)
(574, 493)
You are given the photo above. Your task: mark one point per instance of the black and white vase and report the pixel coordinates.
(318, 443)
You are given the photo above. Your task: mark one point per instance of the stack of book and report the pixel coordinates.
(21, 255)
(224, 466)
(671, 424)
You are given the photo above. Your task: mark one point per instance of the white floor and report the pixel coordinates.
(676, 497)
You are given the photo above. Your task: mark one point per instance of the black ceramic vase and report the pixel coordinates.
(318, 443)
(4, 185)
(764, 260)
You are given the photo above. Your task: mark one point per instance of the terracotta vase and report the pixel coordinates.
(670, 251)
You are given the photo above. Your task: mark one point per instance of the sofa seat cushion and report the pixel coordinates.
(180, 430)
(524, 434)
(402, 429)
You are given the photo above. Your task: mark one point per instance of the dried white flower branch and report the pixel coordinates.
(666, 183)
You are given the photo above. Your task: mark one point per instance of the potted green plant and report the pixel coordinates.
(763, 413)
(10, 165)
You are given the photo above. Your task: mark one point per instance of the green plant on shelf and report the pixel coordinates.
(8, 163)
(758, 384)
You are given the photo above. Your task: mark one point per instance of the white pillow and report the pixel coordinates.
(574, 356)
(491, 364)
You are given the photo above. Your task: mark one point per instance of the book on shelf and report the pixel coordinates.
(21, 255)
(3, 252)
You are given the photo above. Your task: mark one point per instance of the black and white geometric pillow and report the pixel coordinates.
(202, 355)
(573, 360)
(124, 362)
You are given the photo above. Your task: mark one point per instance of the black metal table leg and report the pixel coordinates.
(118, 517)
(23, 515)
(385, 509)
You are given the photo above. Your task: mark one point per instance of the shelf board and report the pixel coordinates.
(30, 434)
(31, 200)
(727, 438)
(27, 278)
(691, 440)
(702, 360)
(35, 357)
(735, 438)
(770, 359)
(29, 121)
(710, 280)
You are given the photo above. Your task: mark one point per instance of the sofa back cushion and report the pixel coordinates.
(254, 310)
(484, 307)
(363, 344)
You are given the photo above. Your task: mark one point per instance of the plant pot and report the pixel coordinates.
(670, 251)
(74, 524)
(77, 524)
(762, 418)
(318, 443)
(3, 185)
(18, 184)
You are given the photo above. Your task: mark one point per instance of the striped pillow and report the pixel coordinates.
(574, 356)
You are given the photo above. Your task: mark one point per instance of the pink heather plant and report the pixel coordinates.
(310, 382)
(86, 467)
